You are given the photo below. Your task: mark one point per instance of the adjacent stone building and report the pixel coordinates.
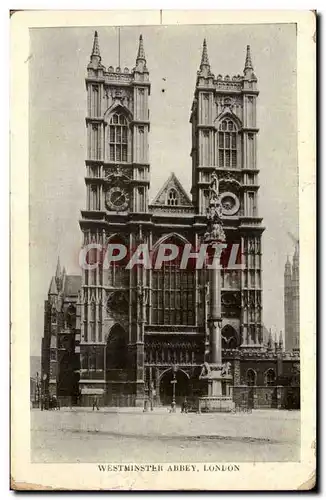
(121, 335)
(292, 302)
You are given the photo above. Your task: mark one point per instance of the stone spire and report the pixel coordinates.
(141, 52)
(204, 56)
(96, 47)
(58, 275)
(53, 287)
(58, 269)
(249, 69)
(141, 58)
(95, 59)
(270, 340)
(248, 63)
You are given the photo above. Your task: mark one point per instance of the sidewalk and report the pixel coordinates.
(163, 410)
(261, 425)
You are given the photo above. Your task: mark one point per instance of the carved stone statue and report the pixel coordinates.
(214, 213)
(226, 369)
(214, 187)
(205, 370)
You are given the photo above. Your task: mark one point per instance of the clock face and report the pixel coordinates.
(230, 203)
(117, 198)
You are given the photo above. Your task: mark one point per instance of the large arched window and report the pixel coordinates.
(173, 292)
(227, 144)
(118, 138)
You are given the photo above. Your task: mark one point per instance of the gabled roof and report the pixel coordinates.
(162, 196)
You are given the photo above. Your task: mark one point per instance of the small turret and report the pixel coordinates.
(280, 341)
(270, 340)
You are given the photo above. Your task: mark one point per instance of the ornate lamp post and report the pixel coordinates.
(173, 382)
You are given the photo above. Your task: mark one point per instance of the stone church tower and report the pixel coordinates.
(224, 135)
(117, 182)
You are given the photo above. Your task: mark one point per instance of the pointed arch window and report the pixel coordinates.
(173, 291)
(227, 144)
(251, 377)
(118, 138)
(270, 377)
(172, 197)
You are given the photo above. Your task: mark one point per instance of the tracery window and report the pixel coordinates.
(173, 293)
(227, 144)
(118, 138)
(172, 198)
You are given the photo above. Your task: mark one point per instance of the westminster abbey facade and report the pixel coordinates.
(121, 335)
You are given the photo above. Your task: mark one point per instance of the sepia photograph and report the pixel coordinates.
(164, 247)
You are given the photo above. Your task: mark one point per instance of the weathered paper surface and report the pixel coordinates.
(258, 475)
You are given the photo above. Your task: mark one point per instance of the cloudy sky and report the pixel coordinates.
(59, 57)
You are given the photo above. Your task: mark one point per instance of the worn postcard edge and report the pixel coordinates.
(269, 476)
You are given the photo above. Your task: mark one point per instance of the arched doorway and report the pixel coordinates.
(117, 349)
(182, 387)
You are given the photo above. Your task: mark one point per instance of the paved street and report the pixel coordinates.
(129, 435)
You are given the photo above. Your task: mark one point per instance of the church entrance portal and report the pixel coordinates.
(182, 387)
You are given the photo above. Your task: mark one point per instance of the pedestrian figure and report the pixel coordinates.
(184, 406)
(95, 404)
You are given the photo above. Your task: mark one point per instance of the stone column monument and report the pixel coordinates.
(214, 372)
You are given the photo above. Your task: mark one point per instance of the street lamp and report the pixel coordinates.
(173, 382)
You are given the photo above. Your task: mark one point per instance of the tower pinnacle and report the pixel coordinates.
(141, 52)
(58, 269)
(96, 47)
(287, 268)
(280, 340)
(204, 56)
(58, 277)
(248, 63)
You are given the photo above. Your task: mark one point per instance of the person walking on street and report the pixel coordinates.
(184, 407)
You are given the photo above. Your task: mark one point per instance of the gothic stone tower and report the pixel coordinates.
(117, 181)
(292, 302)
(224, 134)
